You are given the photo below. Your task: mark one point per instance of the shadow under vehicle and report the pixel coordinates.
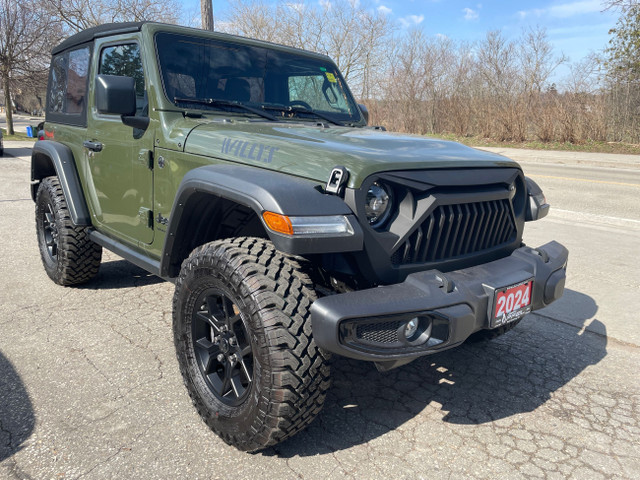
(480, 382)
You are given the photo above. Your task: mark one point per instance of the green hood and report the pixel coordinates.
(312, 152)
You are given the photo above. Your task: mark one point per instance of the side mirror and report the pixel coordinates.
(365, 113)
(115, 95)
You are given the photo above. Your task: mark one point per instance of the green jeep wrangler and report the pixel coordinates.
(245, 173)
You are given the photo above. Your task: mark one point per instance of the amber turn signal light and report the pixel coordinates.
(278, 223)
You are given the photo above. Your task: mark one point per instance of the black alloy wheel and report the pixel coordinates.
(222, 347)
(50, 231)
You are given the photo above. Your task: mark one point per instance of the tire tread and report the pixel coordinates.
(282, 292)
(78, 256)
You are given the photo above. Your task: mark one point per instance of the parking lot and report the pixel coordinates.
(90, 388)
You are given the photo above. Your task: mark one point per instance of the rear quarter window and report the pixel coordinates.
(68, 87)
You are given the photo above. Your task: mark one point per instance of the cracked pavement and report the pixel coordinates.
(90, 388)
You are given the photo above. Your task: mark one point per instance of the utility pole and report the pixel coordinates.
(206, 11)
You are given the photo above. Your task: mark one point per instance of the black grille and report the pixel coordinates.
(386, 332)
(454, 230)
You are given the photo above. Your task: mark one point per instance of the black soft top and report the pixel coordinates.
(95, 32)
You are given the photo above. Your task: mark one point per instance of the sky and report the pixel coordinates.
(574, 27)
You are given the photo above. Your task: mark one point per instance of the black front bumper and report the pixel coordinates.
(370, 324)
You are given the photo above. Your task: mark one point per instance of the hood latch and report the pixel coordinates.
(337, 181)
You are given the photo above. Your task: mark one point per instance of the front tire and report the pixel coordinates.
(68, 255)
(242, 332)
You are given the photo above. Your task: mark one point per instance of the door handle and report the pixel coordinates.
(94, 146)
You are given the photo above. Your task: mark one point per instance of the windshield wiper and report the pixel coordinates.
(215, 102)
(292, 109)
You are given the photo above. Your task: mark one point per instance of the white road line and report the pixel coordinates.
(588, 180)
(592, 217)
(617, 169)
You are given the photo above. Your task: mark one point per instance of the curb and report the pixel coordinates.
(555, 157)
(19, 143)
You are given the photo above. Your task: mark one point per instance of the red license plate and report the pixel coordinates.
(511, 303)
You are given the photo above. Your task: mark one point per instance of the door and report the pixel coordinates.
(119, 157)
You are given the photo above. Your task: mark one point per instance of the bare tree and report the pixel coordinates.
(498, 65)
(582, 110)
(32, 90)
(497, 88)
(256, 19)
(77, 15)
(538, 62)
(26, 37)
(406, 86)
(623, 73)
(355, 37)
(621, 4)
(537, 59)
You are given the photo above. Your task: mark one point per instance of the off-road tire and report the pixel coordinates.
(68, 255)
(270, 294)
(486, 335)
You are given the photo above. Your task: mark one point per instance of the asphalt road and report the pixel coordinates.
(89, 384)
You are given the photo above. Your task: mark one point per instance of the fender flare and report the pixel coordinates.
(47, 154)
(261, 190)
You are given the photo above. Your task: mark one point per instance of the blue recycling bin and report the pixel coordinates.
(30, 131)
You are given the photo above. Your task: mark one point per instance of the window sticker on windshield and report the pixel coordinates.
(322, 69)
(331, 77)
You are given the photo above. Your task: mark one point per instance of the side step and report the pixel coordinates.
(128, 253)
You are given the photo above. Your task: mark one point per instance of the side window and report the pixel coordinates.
(125, 61)
(68, 86)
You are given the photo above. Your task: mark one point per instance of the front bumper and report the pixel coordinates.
(369, 324)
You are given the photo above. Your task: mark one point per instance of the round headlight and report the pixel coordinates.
(377, 204)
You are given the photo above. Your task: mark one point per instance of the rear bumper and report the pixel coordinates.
(370, 324)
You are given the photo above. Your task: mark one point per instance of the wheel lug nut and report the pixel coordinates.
(220, 358)
(232, 341)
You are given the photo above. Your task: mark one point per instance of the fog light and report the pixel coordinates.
(411, 328)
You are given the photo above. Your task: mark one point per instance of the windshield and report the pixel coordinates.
(196, 70)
